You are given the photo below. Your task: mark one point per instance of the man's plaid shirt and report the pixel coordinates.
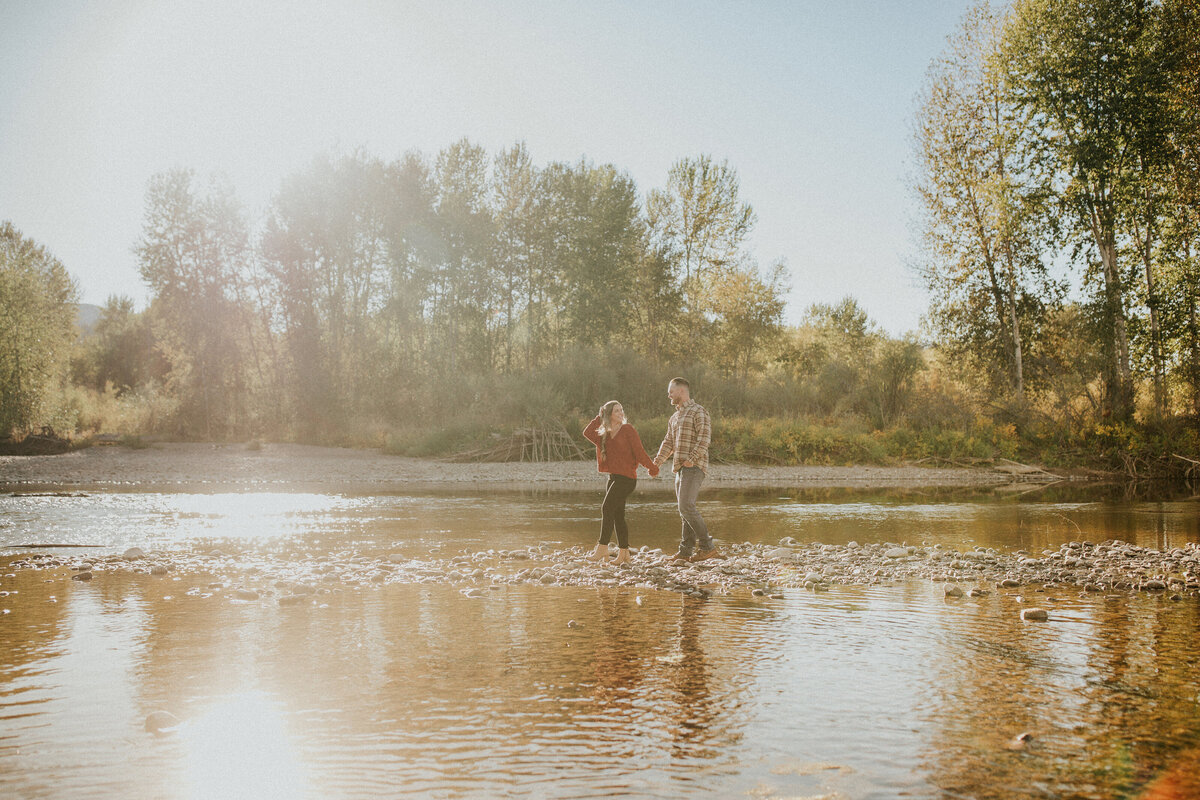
(688, 435)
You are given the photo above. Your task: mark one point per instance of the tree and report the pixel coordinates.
(889, 380)
(655, 301)
(37, 327)
(1086, 72)
(464, 295)
(748, 313)
(595, 245)
(1179, 242)
(193, 254)
(985, 220)
(514, 186)
(121, 352)
(700, 219)
(344, 247)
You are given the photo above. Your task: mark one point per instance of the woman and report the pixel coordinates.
(618, 453)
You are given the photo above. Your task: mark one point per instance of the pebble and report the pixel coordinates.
(1019, 742)
(161, 722)
(757, 569)
(1035, 614)
(952, 591)
(133, 554)
(82, 576)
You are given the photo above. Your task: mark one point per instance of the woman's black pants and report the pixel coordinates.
(612, 513)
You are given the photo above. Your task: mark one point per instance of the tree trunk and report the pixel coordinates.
(1119, 399)
(1018, 358)
(1160, 399)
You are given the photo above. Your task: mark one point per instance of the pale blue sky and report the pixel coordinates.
(810, 101)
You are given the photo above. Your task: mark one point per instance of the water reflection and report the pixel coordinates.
(240, 747)
(578, 692)
(512, 519)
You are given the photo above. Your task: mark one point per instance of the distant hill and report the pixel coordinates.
(86, 317)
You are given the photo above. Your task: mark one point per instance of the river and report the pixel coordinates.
(415, 689)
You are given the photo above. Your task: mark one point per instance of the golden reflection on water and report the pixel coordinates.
(240, 747)
(576, 692)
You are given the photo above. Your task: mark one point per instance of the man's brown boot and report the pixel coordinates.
(705, 555)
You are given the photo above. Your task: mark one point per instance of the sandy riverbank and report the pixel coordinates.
(290, 465)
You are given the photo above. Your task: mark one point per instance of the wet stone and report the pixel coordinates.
(160, 722)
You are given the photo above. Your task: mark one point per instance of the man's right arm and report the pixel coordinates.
(667, 447)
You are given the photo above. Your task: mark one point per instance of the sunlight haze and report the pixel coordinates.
(810, 102)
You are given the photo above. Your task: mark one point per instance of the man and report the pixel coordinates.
(688, 435)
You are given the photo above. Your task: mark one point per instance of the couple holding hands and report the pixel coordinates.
(619, 451)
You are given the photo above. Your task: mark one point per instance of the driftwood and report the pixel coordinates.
(40, 546)
(547, 442)
(1018, 472)
(1193, 466)
(44, 443)
(1026, 473)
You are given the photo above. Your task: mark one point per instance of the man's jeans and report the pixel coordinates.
(695, 532)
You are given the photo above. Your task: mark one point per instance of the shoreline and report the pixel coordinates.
(211, 466)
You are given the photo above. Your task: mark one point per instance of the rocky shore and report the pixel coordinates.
(759, 570)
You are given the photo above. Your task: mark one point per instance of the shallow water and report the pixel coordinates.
(858, 692)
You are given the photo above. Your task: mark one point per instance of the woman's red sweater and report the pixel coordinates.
(624, 450)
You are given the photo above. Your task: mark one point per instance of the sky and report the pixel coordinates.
(811, 103)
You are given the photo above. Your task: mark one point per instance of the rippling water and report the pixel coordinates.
(560, 692)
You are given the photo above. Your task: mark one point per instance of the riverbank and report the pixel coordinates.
(180, 465)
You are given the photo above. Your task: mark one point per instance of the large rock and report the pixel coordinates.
(133, 554)
(1035, 614)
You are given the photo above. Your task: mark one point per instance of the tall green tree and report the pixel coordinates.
(464, 295)
(701, 220)
(37, 328)
(748, 317)
(985, 221)
(520, 254)
(595, 248)
(1179, 245)
(1086, 71)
